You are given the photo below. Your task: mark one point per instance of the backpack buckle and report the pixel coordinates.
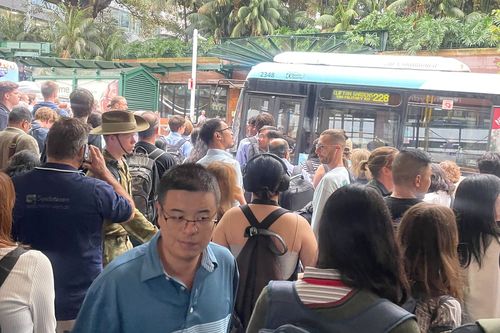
(251, 231)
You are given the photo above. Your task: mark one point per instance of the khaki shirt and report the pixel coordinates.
(23, 142)
(138, 227)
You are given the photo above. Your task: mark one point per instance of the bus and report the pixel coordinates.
(430, 103)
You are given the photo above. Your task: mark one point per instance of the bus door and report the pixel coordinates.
(287, 113)
(253, 105)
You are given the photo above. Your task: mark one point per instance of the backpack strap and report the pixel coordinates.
(179, 143)
(155, 154)
(13, 145)
(8, 262)
(255, 228)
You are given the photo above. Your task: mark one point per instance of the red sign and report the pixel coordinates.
(495, 122)
(447, 104)
(190, 84)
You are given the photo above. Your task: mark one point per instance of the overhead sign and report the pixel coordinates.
(356, 96)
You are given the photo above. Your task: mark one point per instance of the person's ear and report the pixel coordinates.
(418, 181)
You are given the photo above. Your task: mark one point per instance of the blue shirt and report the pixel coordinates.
(173, 138)
(134, 294)
(53, 106)
(222, 156)
(60, 212)
(242, 153)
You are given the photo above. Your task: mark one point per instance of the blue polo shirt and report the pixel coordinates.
(134, 294)
(60, 212)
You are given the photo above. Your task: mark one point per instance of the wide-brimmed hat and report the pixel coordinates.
(120, 122)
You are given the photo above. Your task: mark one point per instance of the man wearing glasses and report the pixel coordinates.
(179, 281)
(15, 137)
(218, 137)
(330, 150)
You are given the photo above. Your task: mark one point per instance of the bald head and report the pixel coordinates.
(153, 120)
(279, 147)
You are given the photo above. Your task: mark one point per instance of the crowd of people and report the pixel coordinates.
(108, 224)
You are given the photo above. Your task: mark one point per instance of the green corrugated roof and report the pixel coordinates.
(253, 50)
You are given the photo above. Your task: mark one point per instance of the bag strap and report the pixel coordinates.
(8, 262)
(267, 221)
(13, 145)
(155, 154)
(179, 143)
(250, 216)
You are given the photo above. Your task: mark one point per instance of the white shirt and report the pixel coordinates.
(331, 181)
(222, 156)
(27, 295)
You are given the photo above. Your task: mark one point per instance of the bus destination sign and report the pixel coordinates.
(361, 96)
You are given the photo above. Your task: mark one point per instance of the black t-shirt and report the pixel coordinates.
(398, 207)
(164, 162)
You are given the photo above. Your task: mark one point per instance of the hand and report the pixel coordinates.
(98, 164)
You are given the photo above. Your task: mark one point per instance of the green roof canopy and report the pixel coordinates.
(253, 50)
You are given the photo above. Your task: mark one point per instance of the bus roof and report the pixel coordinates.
(373, 61)
(378, 77)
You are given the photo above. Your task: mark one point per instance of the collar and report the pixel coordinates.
(153, 268)
(321, 273)
(58, 167)
(175, 134)
(215, 152)
(15, 130)
(383, 189)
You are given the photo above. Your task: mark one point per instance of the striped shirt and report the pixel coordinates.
(321, 288)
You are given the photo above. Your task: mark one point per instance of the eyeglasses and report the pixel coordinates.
(201, 221)
(224, 129)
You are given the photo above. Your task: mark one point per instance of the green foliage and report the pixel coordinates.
(14, 27)
(75, 33)
(415, 32)
(110, 37)
(158, 48)
(259, 17)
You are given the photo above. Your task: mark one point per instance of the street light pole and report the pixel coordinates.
(193, 74)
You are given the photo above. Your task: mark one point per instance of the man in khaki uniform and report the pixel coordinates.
(119, 129)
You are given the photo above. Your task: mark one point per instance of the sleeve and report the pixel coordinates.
(321, 195)
(186, 148)
(43, 296)
(113, 207)
(448, 315)
(259, 314)
(100, 310)
(139, 227)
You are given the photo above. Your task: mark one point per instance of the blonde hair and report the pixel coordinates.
(451, 170)
(46, 114)
(227, 179)
(358, 157)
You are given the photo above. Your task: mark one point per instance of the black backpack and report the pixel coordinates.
(257, 263)
(175, 150)
(286, 314)
(299, 193)
(144, 174)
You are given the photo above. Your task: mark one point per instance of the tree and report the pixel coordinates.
(110, 37)
(259, 17)
(96, 6)
(213, 19)
(342, 18)
(436, 8)
(75, 33)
